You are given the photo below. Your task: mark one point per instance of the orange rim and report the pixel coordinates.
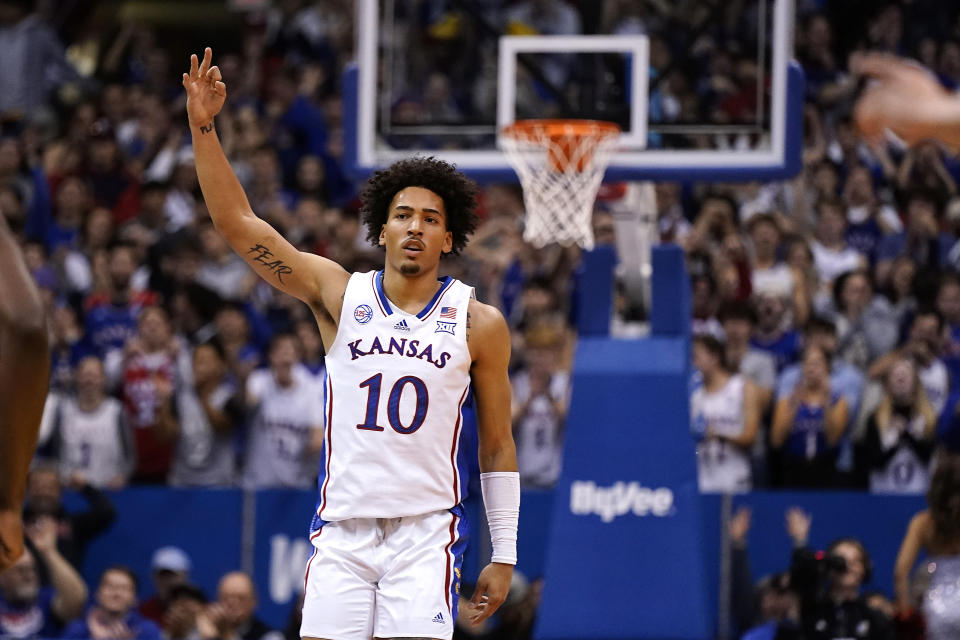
(555, 128)
(571, 142)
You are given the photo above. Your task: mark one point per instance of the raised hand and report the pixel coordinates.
(798, 526)
(206, 92)
(164, 387)
(208, 622)
(103, 629)
(739, 526)
(903, 97)
(43, 533)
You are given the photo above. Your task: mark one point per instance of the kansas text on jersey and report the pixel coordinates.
(395, 387)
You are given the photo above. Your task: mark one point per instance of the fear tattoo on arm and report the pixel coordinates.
(468, 326)
(264, 256)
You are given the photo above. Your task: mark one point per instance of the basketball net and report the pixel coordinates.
(560, 164)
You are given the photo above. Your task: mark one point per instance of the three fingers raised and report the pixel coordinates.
(202, 69)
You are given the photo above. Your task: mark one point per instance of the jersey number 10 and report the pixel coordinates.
(393, 403)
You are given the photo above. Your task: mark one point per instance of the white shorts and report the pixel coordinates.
(385, 578)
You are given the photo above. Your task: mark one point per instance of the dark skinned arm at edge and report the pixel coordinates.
(24, 378)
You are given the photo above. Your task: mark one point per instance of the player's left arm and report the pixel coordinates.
(489, 341)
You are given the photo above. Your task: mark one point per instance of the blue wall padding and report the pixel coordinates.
(644, 573)
(670, 313)
(208, 525)
(595, 291)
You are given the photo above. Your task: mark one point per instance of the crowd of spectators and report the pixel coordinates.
(832, 593)
(172, 362)
(826, 307)
(843, 273)
(44, 596)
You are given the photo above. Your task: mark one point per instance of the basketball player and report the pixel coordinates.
(24, 373)
(402, 350)
(906, 99)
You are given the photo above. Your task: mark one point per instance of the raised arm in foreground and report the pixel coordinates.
(906, 99)
(24, 377)
(315, 280)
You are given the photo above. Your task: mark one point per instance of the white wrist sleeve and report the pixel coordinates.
(501, 497)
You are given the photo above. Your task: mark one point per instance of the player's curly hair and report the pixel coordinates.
(458, 192)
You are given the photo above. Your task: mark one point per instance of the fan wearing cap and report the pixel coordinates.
(170, 568)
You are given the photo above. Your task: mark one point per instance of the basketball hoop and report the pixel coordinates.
(560, 164)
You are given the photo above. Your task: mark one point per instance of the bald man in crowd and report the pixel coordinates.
(232, 616)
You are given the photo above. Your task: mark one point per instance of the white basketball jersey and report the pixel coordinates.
(280, 430)
(721, 466)
(539, 433)
(94, 442)
(395, 388)
(904, 473)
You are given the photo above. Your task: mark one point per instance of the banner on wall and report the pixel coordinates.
(626, 517)
(281, 549)
(206, 524)
(615, 526)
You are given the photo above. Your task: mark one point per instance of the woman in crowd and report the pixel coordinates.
(900, 434)
(808, 424)
(936, 531)
(866, 327)
(725, 412)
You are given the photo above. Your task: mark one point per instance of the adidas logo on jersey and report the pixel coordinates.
(402, 325)
(439, 618)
